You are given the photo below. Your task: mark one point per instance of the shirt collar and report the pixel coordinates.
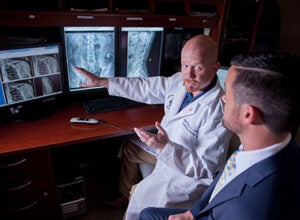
(245, 159)
(189, 97)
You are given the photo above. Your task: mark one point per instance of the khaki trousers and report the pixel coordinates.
(130, 174)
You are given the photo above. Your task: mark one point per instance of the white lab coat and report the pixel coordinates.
(197, 148)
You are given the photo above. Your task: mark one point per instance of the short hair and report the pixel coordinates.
(268, 81)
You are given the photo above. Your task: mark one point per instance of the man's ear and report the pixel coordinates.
(216, 67)
(250, 115)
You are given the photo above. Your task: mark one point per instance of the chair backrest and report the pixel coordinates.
(233, 144)
(297, 136)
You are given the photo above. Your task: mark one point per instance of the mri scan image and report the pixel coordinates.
(94, 51)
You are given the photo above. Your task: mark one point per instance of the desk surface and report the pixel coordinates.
(57, 130)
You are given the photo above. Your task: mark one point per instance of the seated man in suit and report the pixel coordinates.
(261, 107)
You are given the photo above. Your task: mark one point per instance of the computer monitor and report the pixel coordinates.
(92, 48)
(222, 73)
(140, 51)
(174, 40)
(109, 52)
(28, 74)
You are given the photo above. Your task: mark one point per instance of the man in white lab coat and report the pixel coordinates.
(193, 121)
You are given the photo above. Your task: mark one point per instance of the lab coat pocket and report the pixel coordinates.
(180, 190)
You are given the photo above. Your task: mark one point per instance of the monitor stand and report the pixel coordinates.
(32, 111)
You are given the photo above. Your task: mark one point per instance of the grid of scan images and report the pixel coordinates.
(29, 73)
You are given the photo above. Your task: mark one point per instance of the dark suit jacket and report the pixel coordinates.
(269, 189)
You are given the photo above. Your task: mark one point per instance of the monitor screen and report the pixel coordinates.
(222, 73)
(28, 73)
(140, 51)
(92, 48)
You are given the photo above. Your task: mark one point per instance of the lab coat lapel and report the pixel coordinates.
(190, 109)
(194, 106)
(177, 101)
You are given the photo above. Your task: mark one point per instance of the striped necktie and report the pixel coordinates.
(229, 169)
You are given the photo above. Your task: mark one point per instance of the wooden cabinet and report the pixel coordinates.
(33, 153)
(240, 29)
(27, 189)
(164, 13)
(73, 18)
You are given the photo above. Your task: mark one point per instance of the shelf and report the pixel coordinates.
(74, 18)
(194, 14)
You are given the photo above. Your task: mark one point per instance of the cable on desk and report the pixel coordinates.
(114, 126)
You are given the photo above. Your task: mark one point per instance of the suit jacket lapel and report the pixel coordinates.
(249, 177)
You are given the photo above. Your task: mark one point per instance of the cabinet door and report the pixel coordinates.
(27, 189)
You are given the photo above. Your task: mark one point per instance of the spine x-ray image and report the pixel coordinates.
(47, 85)
(94, 51)
(140, 52)
(139, 46)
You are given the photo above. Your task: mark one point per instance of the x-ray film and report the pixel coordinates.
(92, 48)
(143, 51)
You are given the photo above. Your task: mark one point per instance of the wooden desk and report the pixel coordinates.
(57, 130)
(27, 182)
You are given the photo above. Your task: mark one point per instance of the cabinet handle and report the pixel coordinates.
(17, 187)
(24, 207)
(172, 19)
(134, 19)
(85, 17)
(33, 17)
(13, 164)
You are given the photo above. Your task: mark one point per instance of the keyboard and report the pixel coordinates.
(109, 104)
